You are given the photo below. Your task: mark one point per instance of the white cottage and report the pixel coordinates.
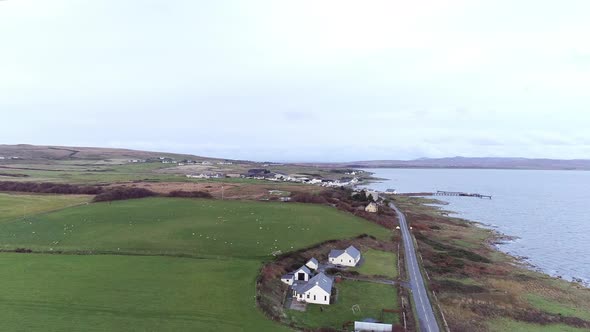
(372, 208)
(347, 257)
(317, 290)
(313, 264)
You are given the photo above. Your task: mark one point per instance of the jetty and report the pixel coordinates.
(458, 193)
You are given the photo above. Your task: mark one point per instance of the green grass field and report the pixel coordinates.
(210, 286)
(556, 307)
(371, 298)
(15, 206)
(380, 263)
(203, 228)
(125, 293)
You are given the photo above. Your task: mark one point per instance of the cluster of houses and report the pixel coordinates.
(277, 177)
(309, 288)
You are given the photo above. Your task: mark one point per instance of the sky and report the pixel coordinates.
(305, 80)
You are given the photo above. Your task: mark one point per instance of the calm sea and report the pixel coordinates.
(549, 211)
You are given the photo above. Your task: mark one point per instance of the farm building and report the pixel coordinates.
(348, 257)
(301, 274)
(288, 278)
(372, 208)
(317, 290)
(313, 264)
(372, 327)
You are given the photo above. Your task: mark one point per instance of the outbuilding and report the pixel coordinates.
(313, 264)
(302, 274)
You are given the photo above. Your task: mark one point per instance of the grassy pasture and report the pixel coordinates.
(204, 228)
(565, 308)
(380, 263)
(212, 290)
(125, 293)
(371, 298)
(14, 206)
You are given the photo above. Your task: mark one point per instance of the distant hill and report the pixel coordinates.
(38, 152)
(463, 162)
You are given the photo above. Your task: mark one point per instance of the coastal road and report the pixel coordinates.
(424, 310)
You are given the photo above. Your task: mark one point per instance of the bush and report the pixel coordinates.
(49, 188)
(190, 194)
(308, 198)
(122, 193)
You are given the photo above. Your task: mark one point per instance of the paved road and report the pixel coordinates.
(419, 293)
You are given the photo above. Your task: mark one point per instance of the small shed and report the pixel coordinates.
(372, 327)
(313, 264)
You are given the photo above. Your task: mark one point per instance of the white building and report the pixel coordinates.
(313, 264)
(372, 208)
(347, 257)
(317, 290)
(373, 327)
(302, 274)
(288, 279)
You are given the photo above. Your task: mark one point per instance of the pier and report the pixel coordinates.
(458, 193)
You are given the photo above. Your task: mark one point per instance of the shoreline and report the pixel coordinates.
(480, 287)
(497, 239)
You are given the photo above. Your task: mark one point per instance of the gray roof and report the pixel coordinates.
(288, 276)
(313, 260)
(321, 280)
(304, 268)
(354, 252)
(335, 253)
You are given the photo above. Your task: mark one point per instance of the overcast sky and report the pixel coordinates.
(299, 80)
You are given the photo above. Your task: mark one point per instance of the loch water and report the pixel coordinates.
(548, 212)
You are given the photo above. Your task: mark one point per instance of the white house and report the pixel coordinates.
(313, 264)
(347, 257)
(372, 208)
(317, 290)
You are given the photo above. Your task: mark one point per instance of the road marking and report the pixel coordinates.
(413, 266)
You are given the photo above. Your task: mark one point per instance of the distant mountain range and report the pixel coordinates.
(464, 162)
(40, 153)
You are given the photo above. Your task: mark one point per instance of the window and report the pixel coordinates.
(325, 298)
(314, 297)
(350, 261)
(308, 296)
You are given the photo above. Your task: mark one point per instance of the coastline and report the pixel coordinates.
(467, 268)
(497, 239)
